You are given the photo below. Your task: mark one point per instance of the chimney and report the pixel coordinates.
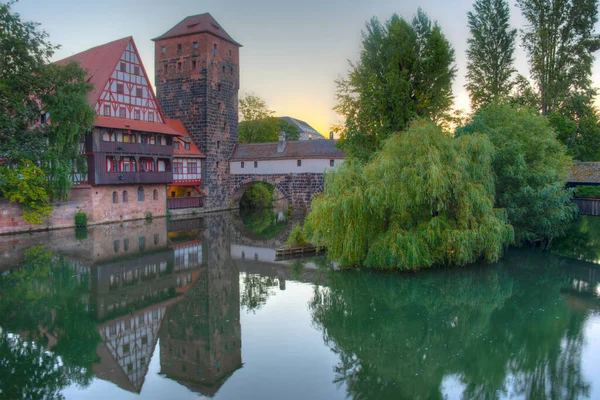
(330, 135)
(281, 144)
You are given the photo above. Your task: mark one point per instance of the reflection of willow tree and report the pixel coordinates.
(45, 303)
(256, 290)
(582, 240)
(263, 223)
(398, 336)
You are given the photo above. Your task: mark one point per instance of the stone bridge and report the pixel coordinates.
(297, 189)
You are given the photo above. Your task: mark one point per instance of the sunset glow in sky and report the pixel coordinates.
(293, 51)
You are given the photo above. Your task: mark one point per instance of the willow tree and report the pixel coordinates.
(426, 199)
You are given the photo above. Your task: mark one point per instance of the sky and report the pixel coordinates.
(292, 51)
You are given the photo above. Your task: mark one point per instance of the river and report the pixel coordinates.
(182, 309)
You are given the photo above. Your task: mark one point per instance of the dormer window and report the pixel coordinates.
(186, 145)
(175, 144)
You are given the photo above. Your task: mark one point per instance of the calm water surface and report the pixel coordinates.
(200, 308)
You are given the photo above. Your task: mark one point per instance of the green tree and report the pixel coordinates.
(254, 108)
(426, 199)
(31, 87)
(560, 41)
(26, 184)
(258, 196)
(531, 168)
(405, 71)
(259, 131)
(291, 131)
(491, 52)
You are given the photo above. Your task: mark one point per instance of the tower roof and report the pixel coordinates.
(194, 24)
(100, 62)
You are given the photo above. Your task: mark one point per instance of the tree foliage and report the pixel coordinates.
(26, 184)
(31, 87)
(253, 108)
(405, 71)
(559, 39)
(491, 52)
(258, 196)
(259, 126)
(426, 199)
(291, 131)
(259, 131)
(531, 168)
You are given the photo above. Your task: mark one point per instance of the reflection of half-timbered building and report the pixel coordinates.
(130, 149)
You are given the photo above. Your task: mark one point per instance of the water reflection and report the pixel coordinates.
(102, 306)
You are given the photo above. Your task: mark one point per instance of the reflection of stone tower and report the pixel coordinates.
(197, 82)
(200, 342)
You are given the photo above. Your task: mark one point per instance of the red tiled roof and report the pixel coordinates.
(193, 152)
(100, 62)
(122, 123)
(585, 173)
(294, 149)
(197, 24)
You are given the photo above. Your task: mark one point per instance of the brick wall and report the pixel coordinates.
(205, 99)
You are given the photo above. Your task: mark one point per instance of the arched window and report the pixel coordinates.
(155, 194)
(124, 196)
(140, 194)
(115, 198)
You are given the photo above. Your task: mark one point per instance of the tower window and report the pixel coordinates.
(218, 144)
(179, 48)
(217, 164)
(215, 49)
(195, 45)
(120, 88)
(223, 69)
(229, 52)
(219, 87)
(193, 64)
(165, 66)
(163, 49)
(136, 70)
(123, 67)
(230, 70)
(179, 66)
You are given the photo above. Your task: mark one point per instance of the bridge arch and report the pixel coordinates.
(240, 188)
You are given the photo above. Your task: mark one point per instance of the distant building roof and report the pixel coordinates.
(294, 149)
(307, 132)
(585, 173)
(197, 24)
(100, 62)
(193, 151)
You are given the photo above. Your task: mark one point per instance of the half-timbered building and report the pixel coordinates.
(130, 149)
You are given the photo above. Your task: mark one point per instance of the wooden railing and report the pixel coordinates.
(588, 206)
(134, 177)
(134, 148)
(184, 202)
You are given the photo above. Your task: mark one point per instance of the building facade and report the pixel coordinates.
(197, 82)
(130, 149)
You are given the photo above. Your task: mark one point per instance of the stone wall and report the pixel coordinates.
(96, 202)
(298, 189)
(201, 90)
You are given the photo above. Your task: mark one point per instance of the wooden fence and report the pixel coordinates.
(588, 206)
(184, 202)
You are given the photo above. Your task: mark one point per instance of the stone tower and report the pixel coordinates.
(197, 80)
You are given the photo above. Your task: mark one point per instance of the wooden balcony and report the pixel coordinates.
(125, 178)
(133, 148)
(184, 202)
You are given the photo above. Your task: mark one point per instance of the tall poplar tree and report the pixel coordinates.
(405, 71)
(490, 53)
(560, 41)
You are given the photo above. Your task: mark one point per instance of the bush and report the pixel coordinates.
(588, 191)
(149, 215)
(531, 168)
(81, 219)
(297, 237)
(258, 196)
(81, 233)
(169, 214)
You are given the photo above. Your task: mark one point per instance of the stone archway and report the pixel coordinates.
(240, 188)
